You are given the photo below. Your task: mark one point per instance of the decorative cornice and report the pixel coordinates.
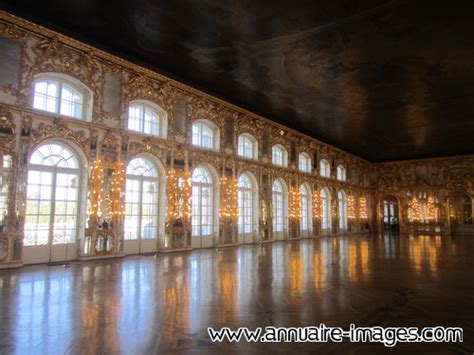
(45, 33)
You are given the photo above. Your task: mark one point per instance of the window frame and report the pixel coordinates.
(284, 155)
(326, 210)
(241, 147)
(280, 207)
(324, 169)
(51, 198)
(62, 80)
(305, 208)
(247, 196)
(304, 159)
(341, 173)
(156, 110)
(342, 209)
(200, 186)
(141, 180)
(215, 138)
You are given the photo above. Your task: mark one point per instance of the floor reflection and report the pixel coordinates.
(147, 305)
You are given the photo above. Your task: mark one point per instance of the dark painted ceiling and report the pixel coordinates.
(383, 80)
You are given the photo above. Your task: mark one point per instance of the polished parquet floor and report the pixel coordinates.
(139, 304)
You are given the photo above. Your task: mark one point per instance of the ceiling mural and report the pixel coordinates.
(383, 80)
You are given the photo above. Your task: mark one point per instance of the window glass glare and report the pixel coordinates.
(279, 155)
(202, 206)
(203, 135)
(58, 97)
(52, 196)
(145, 120)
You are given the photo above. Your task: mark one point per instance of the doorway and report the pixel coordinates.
(390, 219)
(52, 205)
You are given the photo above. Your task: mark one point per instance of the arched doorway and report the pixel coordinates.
(305, 211)
(52, 204)
(342, 210)
(390, 214)
(326, 211)
(247, 201)
(142, 196)
(204, 220)
(280, 209)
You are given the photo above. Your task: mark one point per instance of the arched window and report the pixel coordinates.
(342, 209)
(341, 173)
(247, 146)
(304, 163)
(141, 200)
(205, 134)
(305, 208)
(279, 155)
(146, 117)
(52, 206)
(324, 168)
(62, 95)
(202, 202)
(325, 209)
(280, 207)
(247, 204)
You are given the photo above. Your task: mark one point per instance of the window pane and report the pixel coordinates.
(202, 203)
(151, 124)
(134, 114)
(46, 96)
(141, 202)
(44, 198)
(71, 102)
(279, 205)
(245, 195)
(203, 135)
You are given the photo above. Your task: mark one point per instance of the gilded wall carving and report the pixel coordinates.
(108, 145)
(424, 185)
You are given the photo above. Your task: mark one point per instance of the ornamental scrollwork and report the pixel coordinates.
(136, 148)
(59, 130)
(144, 88)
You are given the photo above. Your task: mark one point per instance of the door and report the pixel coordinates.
(141, 207)
(52, 205)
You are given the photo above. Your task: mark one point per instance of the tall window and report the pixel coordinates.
(279, 155)
(247, 146)
(141, 200)
(305, 207)
(202, 202)
(144, 118)
(205, 134)
(325, 209)
(324, 168)
(280, 206)
(389, 209)
(52, 196)
(342, 208)
(246, 204)
(304, 163)
(58, 96)
(341, 173)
